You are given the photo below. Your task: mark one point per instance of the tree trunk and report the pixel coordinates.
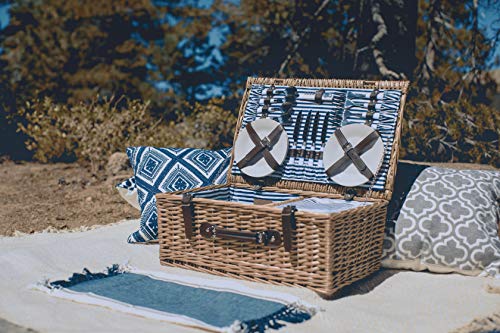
(386, 40)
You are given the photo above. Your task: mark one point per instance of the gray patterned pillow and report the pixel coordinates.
(448, 223)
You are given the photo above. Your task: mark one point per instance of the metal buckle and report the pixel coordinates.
(260, 238)
(266, 142)
(350, 194)
(347, 147)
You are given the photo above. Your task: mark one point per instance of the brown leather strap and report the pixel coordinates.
(292, 91)
(268, 237)
(371, 107)
(258, 201)
(288, 224)
(318, 96)
(352, 154)
(187, 214)
(270, 91)
(265, 111)
(262, 146)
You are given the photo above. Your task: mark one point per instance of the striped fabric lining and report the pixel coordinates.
(348, 107)
(242, 195)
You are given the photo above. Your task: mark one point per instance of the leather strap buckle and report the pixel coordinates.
(266, 142)
(350, 194)
(262, 147)
(352, 154)
(347, 147)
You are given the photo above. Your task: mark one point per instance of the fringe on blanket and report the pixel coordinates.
(291, 313)
(293, 310)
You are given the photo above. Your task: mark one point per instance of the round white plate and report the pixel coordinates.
(373, 158)
(244, 144)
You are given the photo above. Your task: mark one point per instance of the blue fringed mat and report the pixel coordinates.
(218, 305)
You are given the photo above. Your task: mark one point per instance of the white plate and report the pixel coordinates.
(373, 158)
(244, 144)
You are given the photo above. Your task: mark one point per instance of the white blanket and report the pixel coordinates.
(406, 302)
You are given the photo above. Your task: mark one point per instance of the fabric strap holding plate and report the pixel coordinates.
(262, 146)
(352, 154)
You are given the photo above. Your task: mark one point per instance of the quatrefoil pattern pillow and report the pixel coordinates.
(448, 223)
(160, 170)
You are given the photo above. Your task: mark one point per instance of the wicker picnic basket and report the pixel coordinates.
(266, 243)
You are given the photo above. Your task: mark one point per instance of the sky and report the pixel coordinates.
(4, 15)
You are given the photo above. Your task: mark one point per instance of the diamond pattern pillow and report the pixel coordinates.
(128, 191)
(160, 170)
(448, 223)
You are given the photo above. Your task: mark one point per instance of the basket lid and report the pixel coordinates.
(310, 111)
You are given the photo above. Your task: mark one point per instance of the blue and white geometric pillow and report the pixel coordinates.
(161, 170)
(128, 191)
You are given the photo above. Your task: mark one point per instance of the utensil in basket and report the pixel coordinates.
(314, 134)
(295, 138)
(324, 132)
(305, 133)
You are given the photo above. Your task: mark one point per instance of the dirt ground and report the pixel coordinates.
(34, 197)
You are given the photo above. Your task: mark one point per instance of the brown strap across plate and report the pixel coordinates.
(353, 154)
(262, 147)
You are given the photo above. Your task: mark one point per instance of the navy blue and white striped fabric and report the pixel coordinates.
(349, 106)
(160, 170)
(243, 195)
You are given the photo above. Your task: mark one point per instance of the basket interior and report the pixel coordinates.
(234, 193)
(349, 107)
(279, 200)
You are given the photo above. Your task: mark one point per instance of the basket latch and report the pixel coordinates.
(187, 214)
(288, 224)
(350, 194)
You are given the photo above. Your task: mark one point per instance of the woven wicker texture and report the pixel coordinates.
(329, 251)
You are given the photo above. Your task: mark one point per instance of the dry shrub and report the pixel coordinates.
(91, 132)
(451, 132)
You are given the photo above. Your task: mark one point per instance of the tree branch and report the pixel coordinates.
(427, 66)
(300, 38)
(381, 33)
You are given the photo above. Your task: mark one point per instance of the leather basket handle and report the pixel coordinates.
(271, 238)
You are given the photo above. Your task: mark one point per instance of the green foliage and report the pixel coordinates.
(91, 132)
(451, 132)
(72, 50)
